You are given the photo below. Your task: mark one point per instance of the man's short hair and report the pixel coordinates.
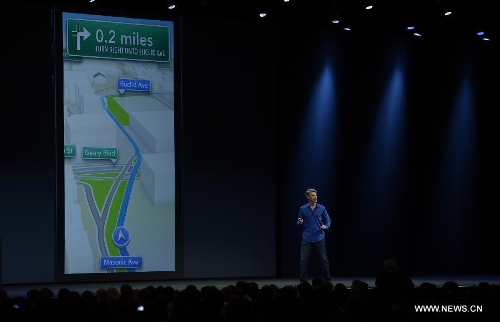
(308, 191)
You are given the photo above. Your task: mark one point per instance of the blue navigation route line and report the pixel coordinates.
(130, 185)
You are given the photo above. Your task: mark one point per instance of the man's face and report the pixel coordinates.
(313, 197)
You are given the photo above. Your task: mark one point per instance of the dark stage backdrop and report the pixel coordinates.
(229, 143)
(400, 137)
(268, 112)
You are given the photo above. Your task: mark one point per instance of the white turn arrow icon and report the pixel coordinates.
(85, 34)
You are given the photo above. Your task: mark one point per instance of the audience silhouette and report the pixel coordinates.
(393, 298)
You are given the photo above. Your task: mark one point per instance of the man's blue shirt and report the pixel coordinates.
(313, 219)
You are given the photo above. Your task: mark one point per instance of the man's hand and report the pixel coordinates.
(324, 227)
(300, 221)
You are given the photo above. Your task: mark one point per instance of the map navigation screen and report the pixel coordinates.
(119, 144)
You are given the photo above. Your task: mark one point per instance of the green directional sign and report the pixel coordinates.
(69, 151)
(117, 40)
(95, 153)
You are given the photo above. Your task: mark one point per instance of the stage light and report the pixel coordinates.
(335, 16)
(482, 35)
(369, 4)
(170, 4)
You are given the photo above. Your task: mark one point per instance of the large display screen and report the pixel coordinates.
(118, 124)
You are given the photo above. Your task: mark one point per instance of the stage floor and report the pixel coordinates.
(14, 290)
